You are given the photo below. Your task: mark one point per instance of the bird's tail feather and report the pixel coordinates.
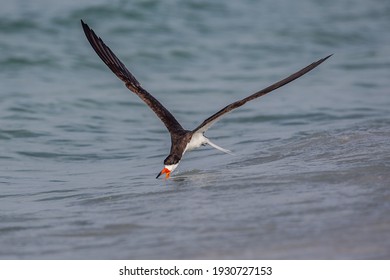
(218, 147)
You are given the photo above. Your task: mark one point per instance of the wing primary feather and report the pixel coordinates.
(120, 70)
(206, 124)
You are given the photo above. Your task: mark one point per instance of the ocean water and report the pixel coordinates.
(310, 178)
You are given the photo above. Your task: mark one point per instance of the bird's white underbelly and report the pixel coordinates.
(196, 141)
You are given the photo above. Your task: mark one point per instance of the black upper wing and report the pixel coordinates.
(214, 118)
(119, 69)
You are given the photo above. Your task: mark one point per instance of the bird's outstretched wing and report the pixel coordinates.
(217, 116)
(119, 69)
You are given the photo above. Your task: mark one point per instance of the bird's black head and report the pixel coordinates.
(170, 164)
(172, 159)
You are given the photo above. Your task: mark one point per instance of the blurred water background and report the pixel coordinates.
(310, 178)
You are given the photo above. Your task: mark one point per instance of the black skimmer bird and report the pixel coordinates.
(182, 140)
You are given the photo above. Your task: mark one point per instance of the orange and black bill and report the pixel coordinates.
(166, 172)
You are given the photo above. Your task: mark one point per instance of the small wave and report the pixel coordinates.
(19, 133)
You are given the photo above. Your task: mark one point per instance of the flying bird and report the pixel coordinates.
(182, 140)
